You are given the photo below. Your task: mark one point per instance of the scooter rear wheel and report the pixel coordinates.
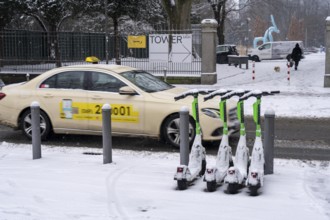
(182, 184)
(253, 190)
(211, 186)
(232, 188)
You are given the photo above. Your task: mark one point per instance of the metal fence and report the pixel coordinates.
(35, 52)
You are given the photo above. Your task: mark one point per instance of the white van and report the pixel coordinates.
(273, 50)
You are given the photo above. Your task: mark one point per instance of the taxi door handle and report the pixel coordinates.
(97, 97)
(48, 95)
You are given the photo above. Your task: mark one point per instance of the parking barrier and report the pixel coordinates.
(106, 134)
(289, 67)
(184, 136)
(36, 137)
(253, 70)
(165, 74)
(269, 141)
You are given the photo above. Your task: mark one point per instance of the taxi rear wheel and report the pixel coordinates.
(26, 125)
(171, 130)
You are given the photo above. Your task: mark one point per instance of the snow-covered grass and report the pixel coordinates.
(68, 184)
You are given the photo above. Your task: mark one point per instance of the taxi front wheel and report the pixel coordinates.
(26, 125)
(171, 130)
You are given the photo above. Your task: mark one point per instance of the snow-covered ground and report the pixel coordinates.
(303, 95)
(68, 184)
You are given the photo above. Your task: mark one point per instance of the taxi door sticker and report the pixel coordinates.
(66, 109)
(93, 111)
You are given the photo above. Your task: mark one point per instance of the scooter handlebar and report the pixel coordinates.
(239, 93)
(193, 92)
(258, 94)
(219, 92)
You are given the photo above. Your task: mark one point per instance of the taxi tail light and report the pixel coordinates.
(2, 95)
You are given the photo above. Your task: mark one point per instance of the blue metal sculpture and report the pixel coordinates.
(268, 37)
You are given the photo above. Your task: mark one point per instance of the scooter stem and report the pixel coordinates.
(223, 115)
(195, 113)
(256, 116)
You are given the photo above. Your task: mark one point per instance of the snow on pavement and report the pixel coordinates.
(67, 184)
(302, 96)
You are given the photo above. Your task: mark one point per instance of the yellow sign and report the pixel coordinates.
(93, 111)
(136, 41)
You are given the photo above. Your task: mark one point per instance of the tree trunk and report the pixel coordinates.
(178, 14)
(219, 12)
(221, 27)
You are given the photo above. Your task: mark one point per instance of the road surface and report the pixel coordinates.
(307, 139)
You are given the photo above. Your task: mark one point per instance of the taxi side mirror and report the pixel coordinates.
(126, 90)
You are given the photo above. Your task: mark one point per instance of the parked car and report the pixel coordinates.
(223, 51)
(273, 50)
(71, 100)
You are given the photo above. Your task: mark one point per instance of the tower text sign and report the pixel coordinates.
(159, 48)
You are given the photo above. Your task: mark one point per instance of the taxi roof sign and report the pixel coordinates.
(92, 59)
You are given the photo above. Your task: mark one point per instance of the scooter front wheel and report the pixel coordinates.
(182, 184)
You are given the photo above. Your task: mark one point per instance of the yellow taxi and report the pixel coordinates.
(71, 100)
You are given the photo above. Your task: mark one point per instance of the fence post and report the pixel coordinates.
(184, 136)
(269, 141)
(106, 134)
(36, 137)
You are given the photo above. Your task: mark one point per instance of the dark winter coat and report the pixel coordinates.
(296, 53)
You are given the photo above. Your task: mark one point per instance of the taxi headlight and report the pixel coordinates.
(213, 113)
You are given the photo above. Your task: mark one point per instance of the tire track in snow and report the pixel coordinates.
(315, 190)
(116, 210)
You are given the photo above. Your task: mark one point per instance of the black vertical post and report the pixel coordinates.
(36, 137)
(184, 136)
(269, 141)
(106, 134)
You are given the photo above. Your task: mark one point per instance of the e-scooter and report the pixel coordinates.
(255, 178)
(197, 158)
(214, 175)
(237, 174)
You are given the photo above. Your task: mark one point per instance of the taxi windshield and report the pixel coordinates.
(146, 81)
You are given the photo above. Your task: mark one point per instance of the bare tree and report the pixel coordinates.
(221, 10)
(178, 13)
(50, 15)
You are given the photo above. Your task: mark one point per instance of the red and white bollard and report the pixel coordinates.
(288, 64)
(253, 70)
